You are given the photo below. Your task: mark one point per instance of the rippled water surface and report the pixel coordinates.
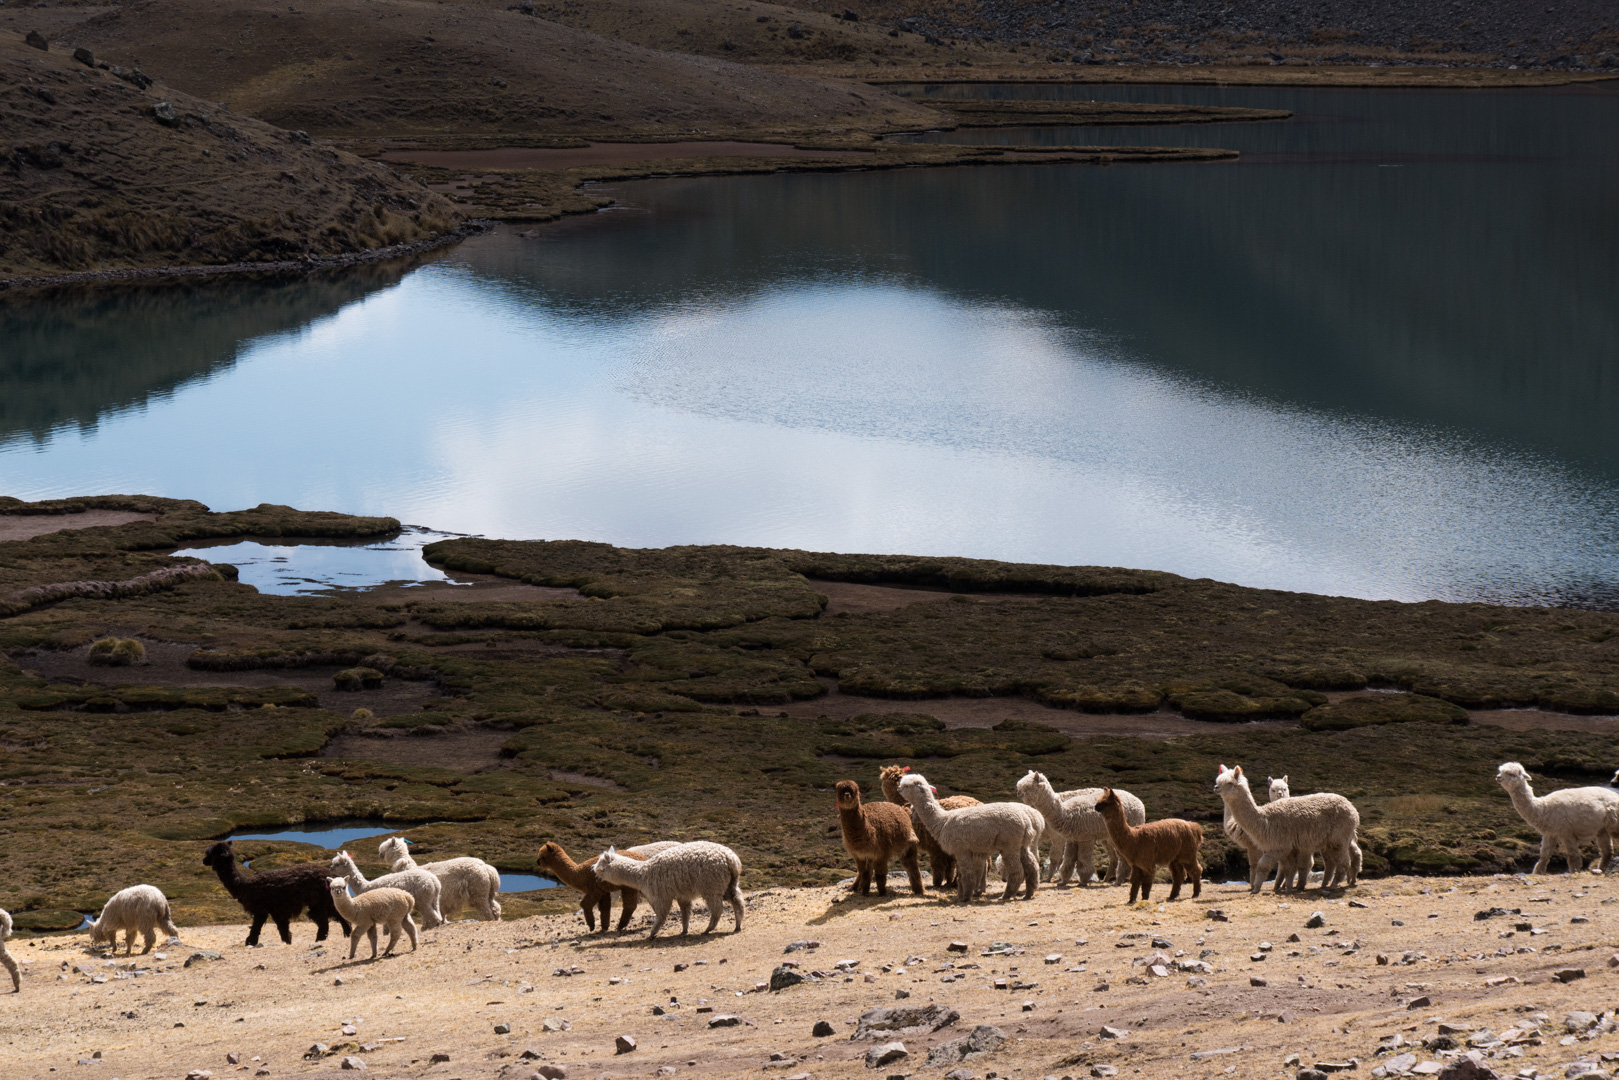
(1379, 356)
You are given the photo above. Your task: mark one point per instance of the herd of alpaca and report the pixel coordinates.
(963, 838)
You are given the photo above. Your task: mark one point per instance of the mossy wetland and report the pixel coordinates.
(637, 694)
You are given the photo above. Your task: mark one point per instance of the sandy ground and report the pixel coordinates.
(28, 526)
(529, 157)
(1078, 960)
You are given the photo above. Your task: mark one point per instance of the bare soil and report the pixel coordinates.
(28, 526)
(465, 751)
(1077, 956)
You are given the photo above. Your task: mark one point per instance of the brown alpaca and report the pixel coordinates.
(596, 893)
(875, 835)
(1146, 847)
(942, 865)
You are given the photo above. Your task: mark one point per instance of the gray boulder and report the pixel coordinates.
(904, 1020)
(886, 1054)
(983, 1039)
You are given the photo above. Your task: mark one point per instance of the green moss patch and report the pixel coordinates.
(1371, 709)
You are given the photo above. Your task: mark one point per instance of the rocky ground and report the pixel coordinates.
(1481, 977)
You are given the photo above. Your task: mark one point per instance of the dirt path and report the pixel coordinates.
(28, 526)
(1077, 958)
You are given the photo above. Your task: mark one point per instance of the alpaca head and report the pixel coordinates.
(337, 887)
(393, 849)
(1511, 774)
(342, 861)
(1279, 788)
(1615, 781)
(1109, 803)
(915, 788)
(848, 795)
(1031, 781)
(102, 936)
(221, 854)
(1226, 779)
(550, 853)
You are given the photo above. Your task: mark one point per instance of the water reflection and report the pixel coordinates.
(1315, 374)
(323, 566)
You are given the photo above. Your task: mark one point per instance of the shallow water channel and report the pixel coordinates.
(1377, 357)
(337, 835)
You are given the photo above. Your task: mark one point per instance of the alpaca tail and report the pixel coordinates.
(733, 893)
(5, 925)
(167, 923)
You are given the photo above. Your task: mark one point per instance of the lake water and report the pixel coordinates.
(310, 567)
(336, 835)
(1378, 357)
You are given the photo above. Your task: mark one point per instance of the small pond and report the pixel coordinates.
(316, 566)
(524, 882)
(329, 835)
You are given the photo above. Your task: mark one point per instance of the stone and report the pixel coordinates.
(202, 956)
(528, 1054)
(1426, 1068)
(351, 1062)
(1382, 959)
(1568, 975)
(1578, 1023)
(1337, 1066)
(503, 1029)
(960, 1074)
(554, 1023)
(1311, 1074)
(1584, 1069)
(983, 1039)
(1028, 1006)
(1400, 1063)
(904, 1019)
(1217, 915)
(1205, 1055)
(1054, 958)
(233, 1058)
(1113, 1033)
(783, 977)
(199, 1074)
(37, 40)
(84, 56)
(624, 1044)
(886, 1054)
(822, 1029)
(1316, 921)
(318, 1050)
(553, 1072)
(1467, 1068)
(957, 946)
(725, 1020)
(163, 112)
(901, 994)
(1104, 1070)
(1422, 1002)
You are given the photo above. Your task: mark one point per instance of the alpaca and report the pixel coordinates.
(679, 875)
(466, 882)
(386, 907)
(940, 864)
(1171, 841)
(874, 835)
(596, 893)
(975, 834)
(280, 894)
(139, 909)
(422, 884)
(1565, 819)
(1293, 864)
(1072, 816)
(5, 956)
(1322, 822)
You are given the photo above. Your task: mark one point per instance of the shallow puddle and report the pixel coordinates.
(306, 567)
(330, 835)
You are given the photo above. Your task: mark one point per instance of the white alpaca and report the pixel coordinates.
(1072, 816)
(1294, 865)
(139, 909)
(466, 882)
(1322, 822)
(678, 875)
(384, 907)
(419, 883)
(5, 956)
(973, 835)
(1565, 819)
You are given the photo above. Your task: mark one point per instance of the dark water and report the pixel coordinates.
(326, 566)
(1378, 357)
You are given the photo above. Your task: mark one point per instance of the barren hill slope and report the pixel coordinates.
(402, 67)
(98, 172)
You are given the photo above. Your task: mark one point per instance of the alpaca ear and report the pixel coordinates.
(1284, 778)
(611, 851)
(1237, 771)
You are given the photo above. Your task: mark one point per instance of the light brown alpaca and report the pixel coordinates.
(595, 893)
(942, 865)
(875, 835)
(1146, 847)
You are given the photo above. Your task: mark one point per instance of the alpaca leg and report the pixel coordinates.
(258, 925)
(1571, 846)
(1604, 852)
(283, 926)
(660, 915)
(685, 916)
(1149, 875)
(129, 941)
(862, 878)
(628, 901)
(410, 931)
(1177, 874)
(1548, 848)
(393, 938)
(1262, 869)
(944, 870)
(371, 936)
(354, 940)
(1135, 884)
(879, 874)
(716, 905)
(1031, 876)
(1012, 861)
(605, 907)
(589, 906)
(734, 895)
(1354, 862)
(11, 968)
(151, 939)
(913, 869)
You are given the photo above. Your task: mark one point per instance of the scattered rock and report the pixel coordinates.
(623, 1045)
(983, 1039)
(886, 1054)
(1315, 921)
(553, 1072)
(1466, 1068)
(555, 1023)
(1382, 959)
(1578, 1023)
(351, 1062)
(1217, 915)
(783, 977)
(1255, 980)
(37, 40)
(202, 956)
(84, 56)
(438, 1058)
(163, 112)
(1311, 1074)
(503, 1029)
(822, 1029)
(905, 1020)
(1337, 1066)
(194, 1074)
(317, 1051)
(1104, 1070)
(960, 1074)
(1422, 1002)
(1113, 1033)
(1568, 975)
(725, 1020)
(957, 946)
(233, 1058)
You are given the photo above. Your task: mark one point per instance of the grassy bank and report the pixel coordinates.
(607, 695)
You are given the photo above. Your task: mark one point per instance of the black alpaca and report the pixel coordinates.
(280, 894)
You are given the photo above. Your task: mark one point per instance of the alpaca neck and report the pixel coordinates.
(929, 812)
(354, 876)
(854, 824)
(891, 790)
(1118, 830)
(620, 872)
(345, 905)
(1523, 797)
(1045, 800)
(1240, 801)
(230, 876)
(568, 871)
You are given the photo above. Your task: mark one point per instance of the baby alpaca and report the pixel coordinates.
(1146, 847)
(384, 907)
(679, 875)
(874, 835)
(6, 957)
(1565, 819)
(594, 893)
(940, 862)
(465, 882)
(139, 909)
(421, 884)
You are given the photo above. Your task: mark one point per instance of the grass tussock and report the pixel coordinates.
(117, 652)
